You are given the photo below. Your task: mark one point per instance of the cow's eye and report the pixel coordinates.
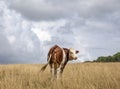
(77, 51)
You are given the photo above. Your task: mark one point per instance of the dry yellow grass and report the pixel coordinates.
(75, 76)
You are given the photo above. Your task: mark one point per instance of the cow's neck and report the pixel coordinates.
(67, 54)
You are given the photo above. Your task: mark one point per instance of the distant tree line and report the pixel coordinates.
(114, 58)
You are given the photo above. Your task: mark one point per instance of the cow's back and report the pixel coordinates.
(56, 54)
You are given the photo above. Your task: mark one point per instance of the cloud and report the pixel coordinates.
(30, 27)
(42, 35)
(18, 43)
(51, 10)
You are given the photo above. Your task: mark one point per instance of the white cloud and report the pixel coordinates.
(42, 35)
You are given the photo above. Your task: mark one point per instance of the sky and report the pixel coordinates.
(29, 28)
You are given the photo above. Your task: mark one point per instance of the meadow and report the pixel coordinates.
(75, 76)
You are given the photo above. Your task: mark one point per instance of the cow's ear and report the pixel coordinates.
(77, 51)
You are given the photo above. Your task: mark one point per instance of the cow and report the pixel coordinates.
(58, 58)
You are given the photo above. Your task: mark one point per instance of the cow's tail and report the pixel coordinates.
(44, 67)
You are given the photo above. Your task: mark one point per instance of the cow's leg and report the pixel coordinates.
(59, 74)
(60, 71)
(55, 67)
(53, 72)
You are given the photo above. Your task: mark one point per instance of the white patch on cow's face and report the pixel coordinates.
(73, 54)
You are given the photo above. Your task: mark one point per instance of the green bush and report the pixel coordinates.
(114, 58)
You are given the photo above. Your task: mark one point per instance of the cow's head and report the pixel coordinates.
(73, 54)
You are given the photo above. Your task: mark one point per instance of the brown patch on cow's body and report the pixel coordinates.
(56, 55)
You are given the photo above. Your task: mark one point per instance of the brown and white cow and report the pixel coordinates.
(58, 58)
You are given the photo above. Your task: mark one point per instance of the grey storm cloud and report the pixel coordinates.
(55, 9)
(30, 27)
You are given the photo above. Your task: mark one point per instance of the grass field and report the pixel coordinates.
(75, 76)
